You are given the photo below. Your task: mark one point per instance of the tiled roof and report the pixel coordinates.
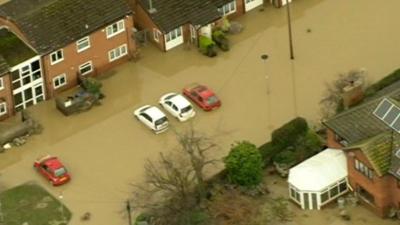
(53, 24)
(378, 150)
(170, 14)
(395, 160)
(358, 123)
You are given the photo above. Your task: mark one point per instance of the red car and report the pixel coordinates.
(203, 96)
(52, 169)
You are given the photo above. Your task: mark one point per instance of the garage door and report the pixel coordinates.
(251, 4)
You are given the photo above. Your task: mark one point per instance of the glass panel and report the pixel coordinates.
(28, 94)
(40, 98)
(35, 65)
(324, 197)
(38, 90)
(18, 98)
(19, 108)
(15, 75)
(333, 192)
(342, 187)
(26, 80)
(27, 104)
(36, 75)
(16, 84)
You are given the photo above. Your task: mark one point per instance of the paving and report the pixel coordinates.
(106, 147)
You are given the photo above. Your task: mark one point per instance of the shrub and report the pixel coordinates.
(287, 134)
(307, 146)
(386, 81)
(244, 164)
(286, 156)
(268, 151)
(142, 217)
(207, 46)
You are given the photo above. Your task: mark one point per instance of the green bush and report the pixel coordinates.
(268, 151)
(386, 81)
(244, 164)
(286, 156)
(307, 146)
(207, 46)
(194, 217)
(287, 134)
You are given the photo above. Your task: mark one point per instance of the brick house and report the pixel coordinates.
(372, 151)
(172, 23)
(61, 40)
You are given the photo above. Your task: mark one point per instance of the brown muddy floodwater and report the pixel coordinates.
(105, 148)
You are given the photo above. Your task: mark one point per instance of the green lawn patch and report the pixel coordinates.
(33, 205)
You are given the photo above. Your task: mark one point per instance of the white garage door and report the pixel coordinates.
(251, 4)
(173, 38)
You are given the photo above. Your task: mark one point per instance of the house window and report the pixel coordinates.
(324, 197)
(362, 168)
(3, 108)
(115, 28)
(1, 83)
(156, 34)
(117, 53)
(86, 68)
(83, 44)
(365, 195)
(56, 57)
(174, 34)
(59, 81)
(228, 8)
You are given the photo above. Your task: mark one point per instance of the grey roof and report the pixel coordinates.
(3, 66)
(171, 14)
(358, 123)
(395, 160)
(53, 24)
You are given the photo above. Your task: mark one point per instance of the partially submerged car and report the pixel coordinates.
(152, 117)
(203, 96)
(52, 169)
(178, 106)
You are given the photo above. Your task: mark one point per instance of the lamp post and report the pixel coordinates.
(128, 209)
(290, 30)
(264, 57)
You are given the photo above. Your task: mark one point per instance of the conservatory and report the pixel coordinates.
(319, 180)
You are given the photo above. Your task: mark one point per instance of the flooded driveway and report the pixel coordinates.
(105, 148)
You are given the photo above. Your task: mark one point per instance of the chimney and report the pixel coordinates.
(352, 93)
(151, 9)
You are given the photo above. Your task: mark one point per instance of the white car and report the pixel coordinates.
(178, 106)
(152, 117)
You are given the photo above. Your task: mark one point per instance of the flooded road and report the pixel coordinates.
(105, 148)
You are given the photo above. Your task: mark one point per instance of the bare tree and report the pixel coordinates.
(333, 97)
(174, 184)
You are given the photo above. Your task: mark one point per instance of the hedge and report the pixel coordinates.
(287, 134)
(386, 81)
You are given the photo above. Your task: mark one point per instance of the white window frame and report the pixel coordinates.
(173, 34)
(156, 34)
(4, 106)
(228, 8)
(1, 83)
(120, 25)
(58, 59)
(83, 41)
(59, 78)
(117, 52)
(85, 65)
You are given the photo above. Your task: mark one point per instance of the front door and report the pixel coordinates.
(251, 4)
(173, 38)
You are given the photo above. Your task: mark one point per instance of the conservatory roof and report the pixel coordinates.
(319, 171)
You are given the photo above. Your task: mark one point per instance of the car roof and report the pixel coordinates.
(180, 101)
(154, 112)
(53, 163)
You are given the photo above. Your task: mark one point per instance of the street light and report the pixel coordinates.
(290, 30)
(264, 57)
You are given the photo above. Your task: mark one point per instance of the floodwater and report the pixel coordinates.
(105, 148)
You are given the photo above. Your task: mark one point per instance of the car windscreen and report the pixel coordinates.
(186, 109)
(212, 100)
(161, 121)
(60, 172)
(170, 96)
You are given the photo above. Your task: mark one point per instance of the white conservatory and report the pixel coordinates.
(319, 180)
